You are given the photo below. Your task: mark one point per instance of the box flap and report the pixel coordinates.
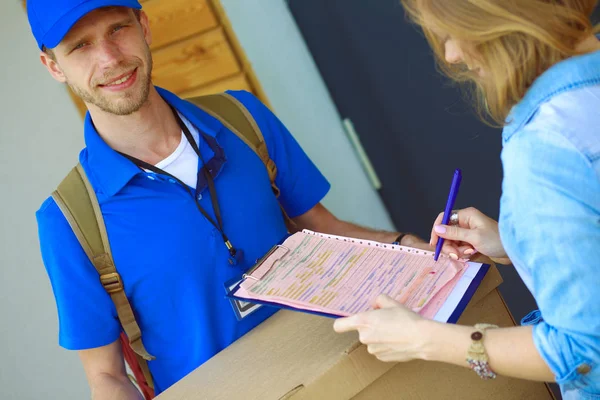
(491, 281)
(287, 351)
(347, 378)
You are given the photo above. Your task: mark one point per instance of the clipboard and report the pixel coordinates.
(460, 296)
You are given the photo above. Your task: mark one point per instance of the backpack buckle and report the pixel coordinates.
(112, 282)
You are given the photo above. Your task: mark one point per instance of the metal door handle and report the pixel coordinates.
(361, 153)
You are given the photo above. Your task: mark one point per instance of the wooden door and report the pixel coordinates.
(195, 50)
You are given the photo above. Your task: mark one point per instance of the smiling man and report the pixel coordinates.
(166, 210)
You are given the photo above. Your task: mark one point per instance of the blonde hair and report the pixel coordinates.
(513, 41)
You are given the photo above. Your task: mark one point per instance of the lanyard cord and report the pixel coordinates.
(218, 224)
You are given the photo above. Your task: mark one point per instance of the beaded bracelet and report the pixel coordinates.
(477, 357)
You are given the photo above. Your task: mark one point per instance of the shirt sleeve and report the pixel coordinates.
(553, 225)
(301, 183)
(86, 314)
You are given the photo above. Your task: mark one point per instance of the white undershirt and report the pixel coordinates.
(183, 162)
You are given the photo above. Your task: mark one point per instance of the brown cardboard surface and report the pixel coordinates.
(286, 351)
(491, 281)
(297, 356)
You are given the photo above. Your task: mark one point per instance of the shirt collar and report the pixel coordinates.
(572, 73)
(111, 171)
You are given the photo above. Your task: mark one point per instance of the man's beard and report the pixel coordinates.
(129, 102)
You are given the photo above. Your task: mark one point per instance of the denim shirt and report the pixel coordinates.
(550, 216)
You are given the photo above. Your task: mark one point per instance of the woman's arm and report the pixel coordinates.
(395, 333)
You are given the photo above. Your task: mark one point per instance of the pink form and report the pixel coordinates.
(343, 276)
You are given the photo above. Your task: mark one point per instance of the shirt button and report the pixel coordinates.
(584, 369)
(199, 197)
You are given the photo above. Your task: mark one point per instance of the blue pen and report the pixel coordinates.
(449, 205)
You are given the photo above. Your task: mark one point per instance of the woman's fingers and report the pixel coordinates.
(434, 237)
(465, 250)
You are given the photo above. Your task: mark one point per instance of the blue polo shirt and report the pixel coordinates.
(173, 262)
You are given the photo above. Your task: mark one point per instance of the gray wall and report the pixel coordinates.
(286, 70)
(40, 137)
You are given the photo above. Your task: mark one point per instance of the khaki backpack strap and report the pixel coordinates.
(236, 117)
(145, 370)
(77, 200)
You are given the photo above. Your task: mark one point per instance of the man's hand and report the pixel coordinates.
(411, 240)
(320, 219)
(106, 373)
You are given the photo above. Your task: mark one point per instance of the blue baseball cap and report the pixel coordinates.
(51, 20)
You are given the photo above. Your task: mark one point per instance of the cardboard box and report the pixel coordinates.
(297, 356)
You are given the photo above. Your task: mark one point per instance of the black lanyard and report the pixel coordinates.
(235, 255)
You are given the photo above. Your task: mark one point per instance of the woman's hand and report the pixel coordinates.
(391, 332)
(394, 333)
(474, 233)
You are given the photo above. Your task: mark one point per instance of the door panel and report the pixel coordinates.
(414, 125)
(173, 20)
(195, 62)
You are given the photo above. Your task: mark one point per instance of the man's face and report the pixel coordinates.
(105, 59)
